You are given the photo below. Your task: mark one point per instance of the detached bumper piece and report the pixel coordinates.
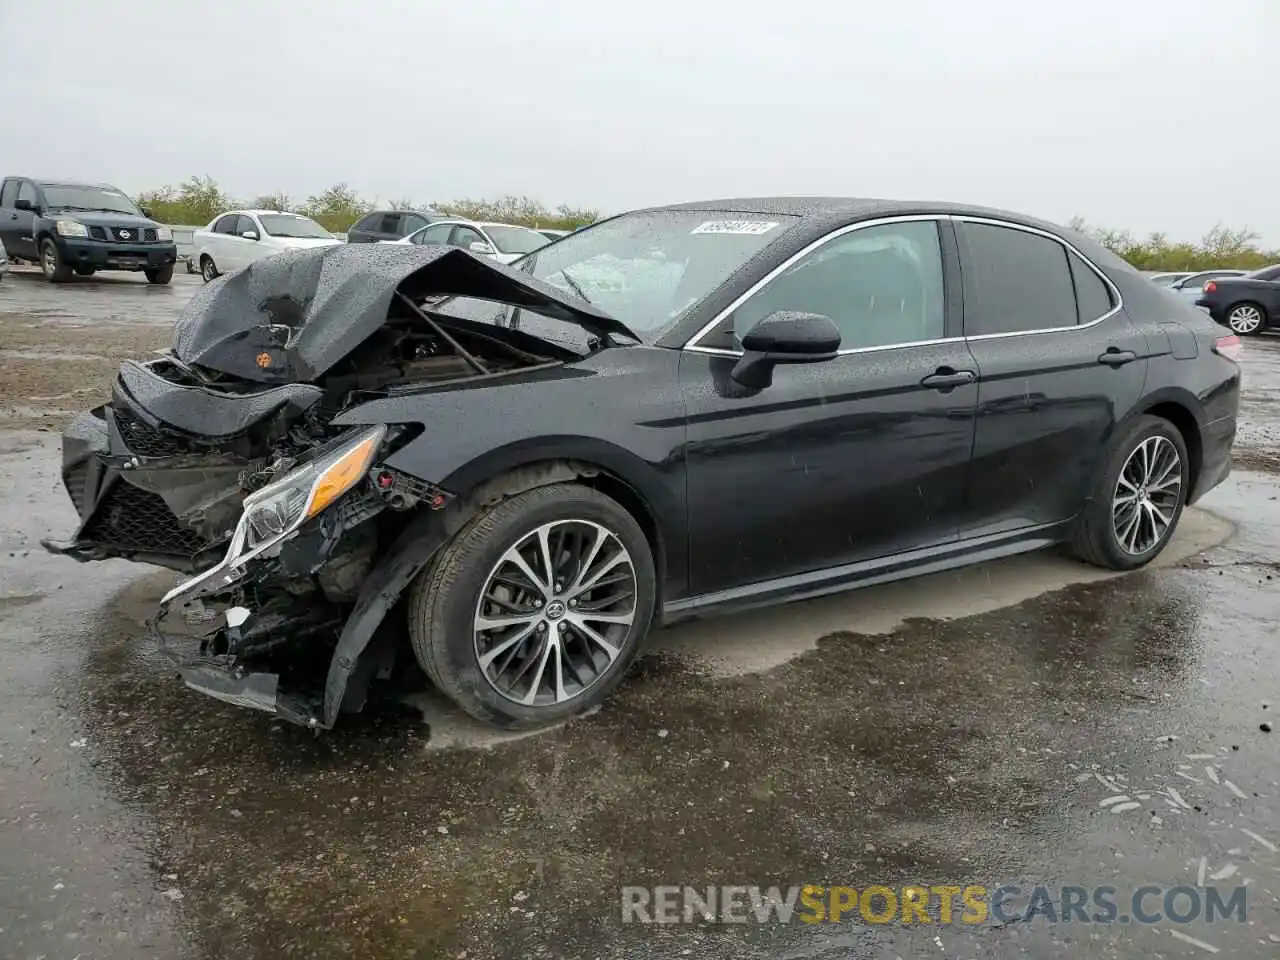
(253, 656)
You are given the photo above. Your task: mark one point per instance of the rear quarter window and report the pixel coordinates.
(1092, 295)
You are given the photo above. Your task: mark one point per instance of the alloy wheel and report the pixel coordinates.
(208, 271)
(1147, 495)
(555, 612)
(1245, 318)
(49, 260)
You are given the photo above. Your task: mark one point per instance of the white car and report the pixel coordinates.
(238, 238)
(505, 242)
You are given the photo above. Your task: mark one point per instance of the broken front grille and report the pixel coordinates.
(145, 440)
(74, 482)
(134, 519)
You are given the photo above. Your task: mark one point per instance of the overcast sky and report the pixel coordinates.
(1139, 114)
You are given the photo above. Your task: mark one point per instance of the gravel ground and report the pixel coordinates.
(1030, 721)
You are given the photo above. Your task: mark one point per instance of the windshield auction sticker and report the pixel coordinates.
(750, 227)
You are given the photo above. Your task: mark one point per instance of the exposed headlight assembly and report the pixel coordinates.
(163, 234)
(70, 228)
(274, 513)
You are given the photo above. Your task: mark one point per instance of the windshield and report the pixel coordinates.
(70, 197)
(648, 269)
(289, 225)
(514, 239)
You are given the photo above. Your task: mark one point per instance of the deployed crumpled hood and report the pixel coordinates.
(290, 317)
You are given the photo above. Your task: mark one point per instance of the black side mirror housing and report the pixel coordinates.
(23, 204)
(784, 337)
(146, 213)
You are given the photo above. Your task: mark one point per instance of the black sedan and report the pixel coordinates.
(671, 413)
(1248, 304)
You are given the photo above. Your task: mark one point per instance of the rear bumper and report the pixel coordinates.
(116, 256)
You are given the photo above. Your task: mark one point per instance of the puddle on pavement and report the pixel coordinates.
(937, 748)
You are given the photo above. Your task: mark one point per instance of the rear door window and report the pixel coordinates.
(225, 224)
(390, 223)
(8, 193)
(1015, 281)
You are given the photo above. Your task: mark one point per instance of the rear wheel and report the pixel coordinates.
(207, 269)
(1137, 498)
(55, 271)
(1246, 319)
(533, 612)
(160, 275)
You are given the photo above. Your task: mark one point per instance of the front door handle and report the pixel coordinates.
(948, 378)
(1117, 358)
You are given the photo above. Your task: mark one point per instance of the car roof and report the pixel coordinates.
(853, 208)
(426, 211)
(62, 182)
(499, 223)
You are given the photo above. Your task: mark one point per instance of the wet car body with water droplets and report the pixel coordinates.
(670, 413)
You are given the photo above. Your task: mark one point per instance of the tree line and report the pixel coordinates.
(200, 199)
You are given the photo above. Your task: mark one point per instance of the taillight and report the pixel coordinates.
(1229, 347)
(1210, 287)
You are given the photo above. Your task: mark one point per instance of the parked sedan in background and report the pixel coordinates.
(505, 242)
(1190, 286)
(381, 226)
(1165, 279)
(548, 468)
(1247, 304)
(238, 238)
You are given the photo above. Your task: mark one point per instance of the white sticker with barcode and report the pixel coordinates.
(749, 227)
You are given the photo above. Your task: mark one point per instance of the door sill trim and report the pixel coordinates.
(865, 573)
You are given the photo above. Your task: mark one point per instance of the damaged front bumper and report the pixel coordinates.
(277, 573)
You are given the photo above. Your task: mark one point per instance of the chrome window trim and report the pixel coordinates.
(692, 343)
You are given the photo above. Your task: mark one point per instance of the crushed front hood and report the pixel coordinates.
(289, 318)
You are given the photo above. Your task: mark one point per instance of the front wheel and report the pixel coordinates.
(207, 269)
(1246, 319)
(55, 271)
(160, 275)
(533, 612)
(1137, 497)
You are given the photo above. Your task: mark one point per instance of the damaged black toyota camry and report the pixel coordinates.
(513, 473)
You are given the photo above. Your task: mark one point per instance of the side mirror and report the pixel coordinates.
(482, 248)
(23, 204)
(784, 337)
(146, 213)
(250, 234)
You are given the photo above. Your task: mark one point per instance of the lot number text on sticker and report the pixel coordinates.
(750, 227)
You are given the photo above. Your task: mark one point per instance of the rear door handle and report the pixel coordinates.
(947, 378)
(1117, 358)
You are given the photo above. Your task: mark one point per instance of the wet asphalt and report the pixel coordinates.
(961, 729)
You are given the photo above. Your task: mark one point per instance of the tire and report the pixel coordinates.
(55, 271)
(208, 270)
(1105, 533)
(448, 597)
(1246, 319)
(85, 271)
(161, 275)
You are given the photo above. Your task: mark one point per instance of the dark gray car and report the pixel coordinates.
(390, 225)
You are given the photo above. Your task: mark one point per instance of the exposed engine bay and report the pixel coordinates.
(221, 458)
